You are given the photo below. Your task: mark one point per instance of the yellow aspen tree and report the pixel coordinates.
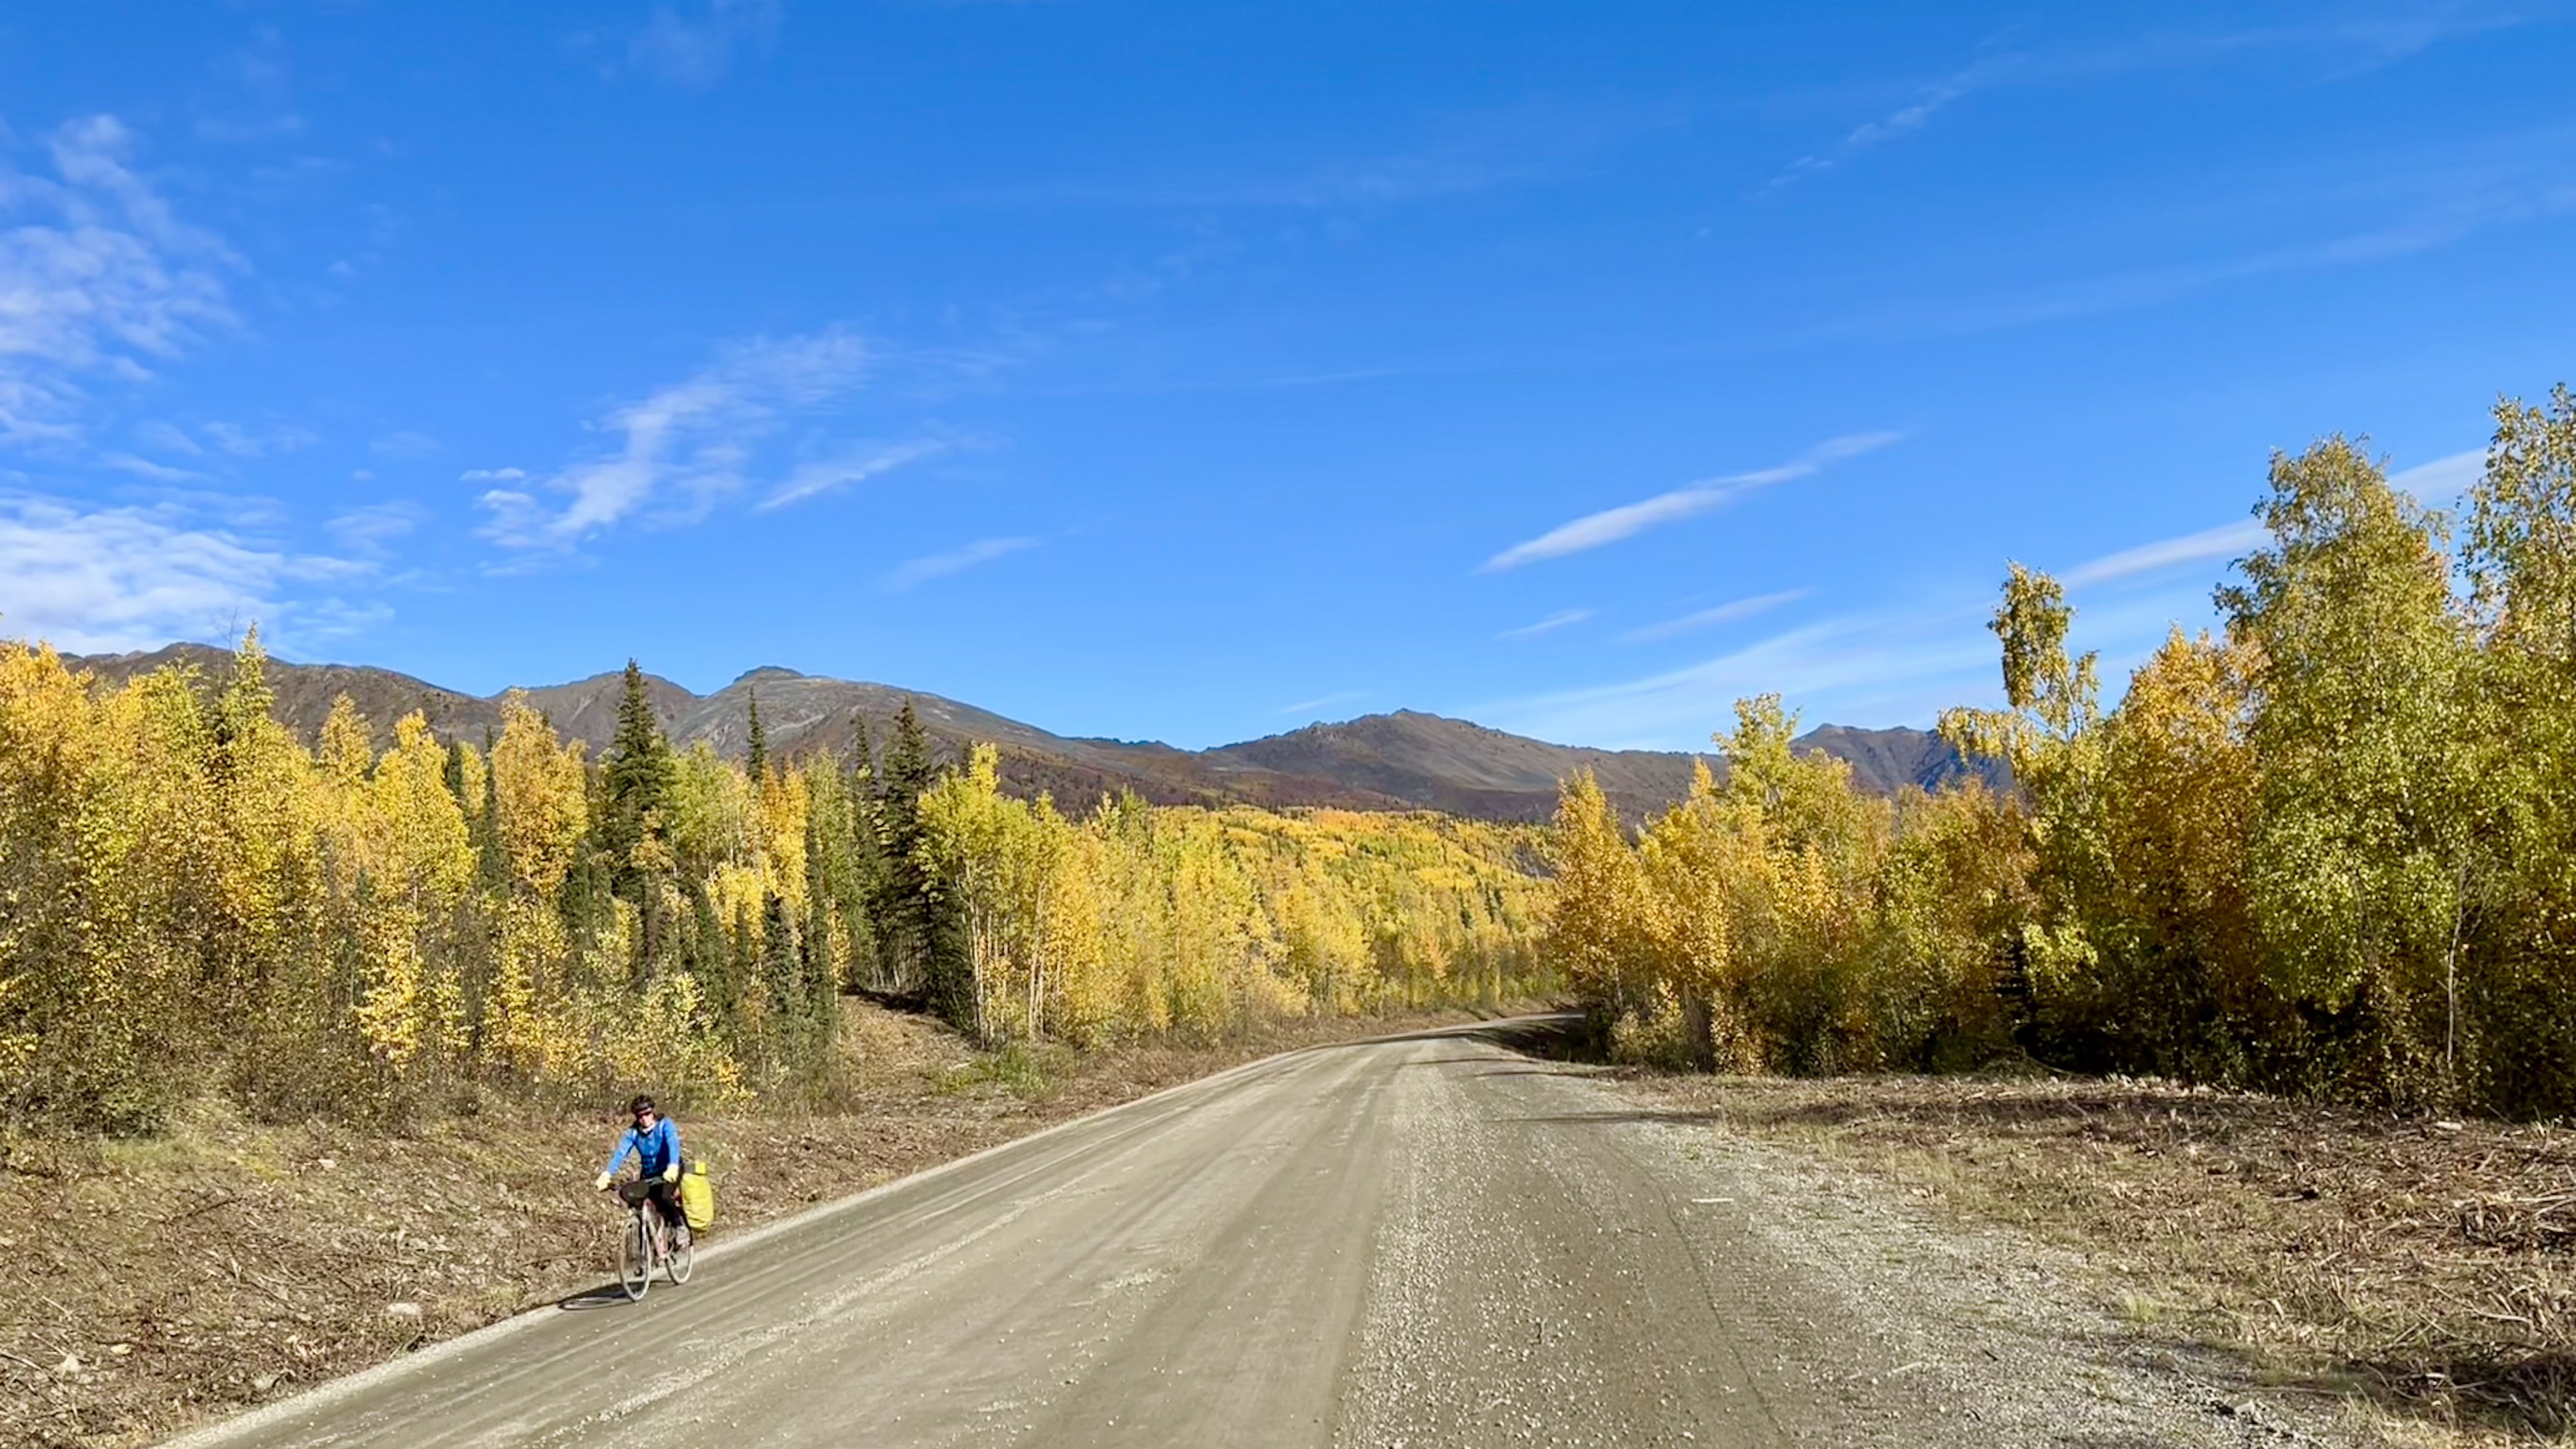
(343, 756)
(1595, 928)
(538, 789)
(539, 797)
(1076, 908)
(785, 802)
(472, 778)
(422, 861)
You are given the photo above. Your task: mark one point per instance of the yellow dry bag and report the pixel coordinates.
(698, 1197)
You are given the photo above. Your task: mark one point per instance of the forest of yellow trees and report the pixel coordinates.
(193, 900)
(2332, 849)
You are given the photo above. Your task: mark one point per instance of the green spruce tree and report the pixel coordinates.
(825, 883)
(782, 980)
(636, 781)
(491, 860)
(919, 926)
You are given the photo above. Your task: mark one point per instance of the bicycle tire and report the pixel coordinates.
(635, 1258)
(682, 1258)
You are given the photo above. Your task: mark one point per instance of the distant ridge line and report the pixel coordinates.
(1407, 760)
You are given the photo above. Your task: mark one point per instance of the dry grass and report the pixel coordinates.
(2425, 1264)
(145, 1285)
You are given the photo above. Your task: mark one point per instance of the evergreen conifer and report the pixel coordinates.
(635, 784)
(919, 928)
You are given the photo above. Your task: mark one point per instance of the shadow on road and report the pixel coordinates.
(1561, 1069)
(1613, 1119)
(605, 1295)
(1554, 1035)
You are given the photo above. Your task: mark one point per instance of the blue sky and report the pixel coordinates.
(1192, 372)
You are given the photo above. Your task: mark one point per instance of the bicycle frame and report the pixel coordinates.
(646, 1246)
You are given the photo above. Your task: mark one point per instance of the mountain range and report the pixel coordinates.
(1401, 761)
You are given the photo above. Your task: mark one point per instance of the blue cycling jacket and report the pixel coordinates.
(658, 1148)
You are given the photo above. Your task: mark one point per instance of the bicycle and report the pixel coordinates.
(647, 1244)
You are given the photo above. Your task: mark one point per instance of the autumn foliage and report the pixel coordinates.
(192, 899)
(2332, 849)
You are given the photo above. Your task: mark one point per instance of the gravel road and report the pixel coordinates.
(1420, 1242)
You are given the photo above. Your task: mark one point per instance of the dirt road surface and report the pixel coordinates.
(1421, 1242)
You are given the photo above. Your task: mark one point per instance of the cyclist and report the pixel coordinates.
(655, 1141)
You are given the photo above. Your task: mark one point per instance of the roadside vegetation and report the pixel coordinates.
(2331, 852)
(194, 902)
(2419, 1264)
(2259, 985)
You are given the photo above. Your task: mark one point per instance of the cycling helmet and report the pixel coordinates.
(640, 1106)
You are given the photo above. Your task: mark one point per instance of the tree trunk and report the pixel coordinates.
(1700, 1028)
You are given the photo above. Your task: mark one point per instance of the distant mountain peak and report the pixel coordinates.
(1406, 759)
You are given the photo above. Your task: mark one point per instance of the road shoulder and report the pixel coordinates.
(2330, 1274)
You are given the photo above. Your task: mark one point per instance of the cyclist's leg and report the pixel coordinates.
(638, 1196)
(666, 1198)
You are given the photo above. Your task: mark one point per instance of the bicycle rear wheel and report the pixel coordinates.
(681, 1258)
(635, 1257)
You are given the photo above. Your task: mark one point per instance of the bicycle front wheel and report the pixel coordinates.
(635, 1258)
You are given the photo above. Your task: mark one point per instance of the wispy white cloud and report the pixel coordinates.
(266, 442)
(697, 50)
(1867, 667)
(1725, 613)
(682, 447)
(371, 529)
(145, 468)
(2233, 540)
(1900, 664)
(1465, 155)
(404, 444)
(1323, 701)
(265, 128)
(2338, 48)
(255, 99)
(106, 579)
(493, 475)
(941, 565)
(1613, 524)
(100, 280)
(2444, 479)
(1905, 119)
(2438, 482)
(815, 478)
(1904, 663)
(1562, 618)
(2439, 196)
(169, 438)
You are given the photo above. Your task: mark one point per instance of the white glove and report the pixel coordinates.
(602, 1183)
(671, 1173)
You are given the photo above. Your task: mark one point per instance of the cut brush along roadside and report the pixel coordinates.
(2420, 1264)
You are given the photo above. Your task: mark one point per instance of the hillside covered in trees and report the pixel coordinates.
(194, 899)
(2333, 849)
(1407, 760)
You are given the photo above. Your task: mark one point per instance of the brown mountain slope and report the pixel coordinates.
(1406, 760)
(1463, 768)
